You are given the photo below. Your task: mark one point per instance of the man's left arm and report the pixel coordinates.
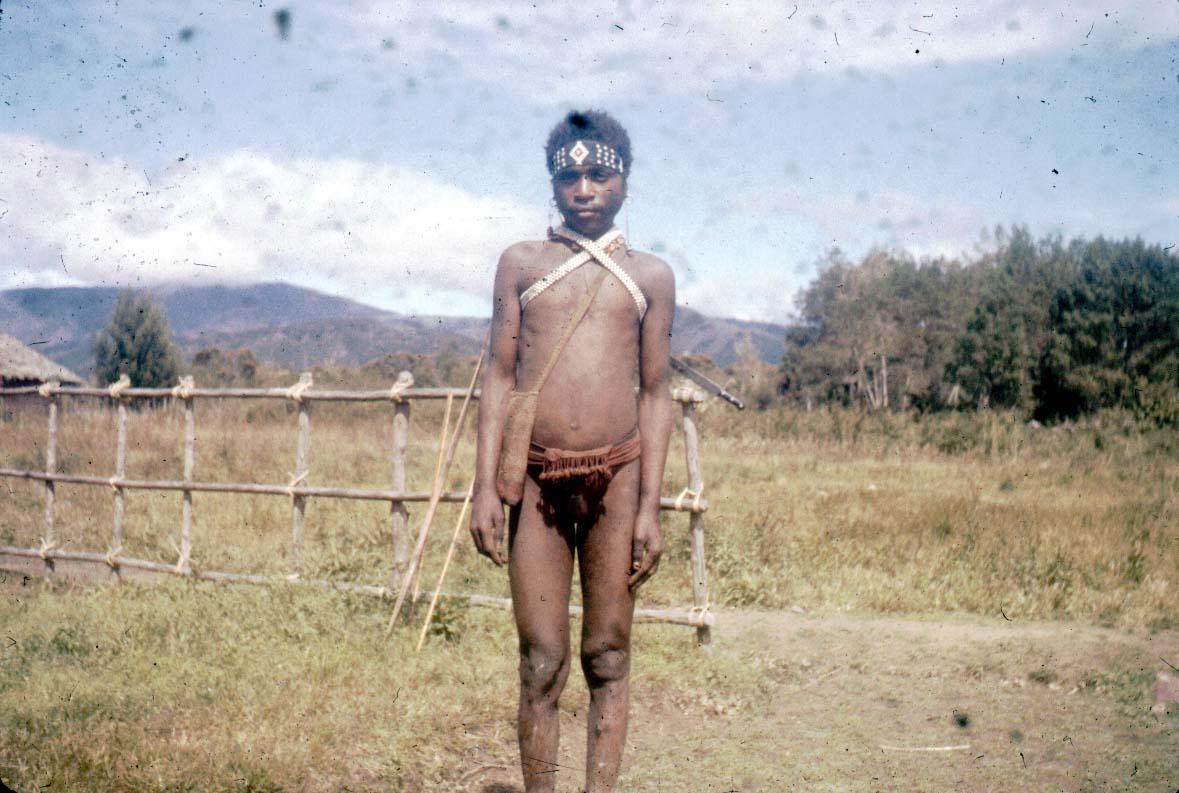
(655, 419)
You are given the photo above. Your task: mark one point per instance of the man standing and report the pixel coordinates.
(597, 452)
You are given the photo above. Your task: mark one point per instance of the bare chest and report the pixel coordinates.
(558, 280)
(612, 312)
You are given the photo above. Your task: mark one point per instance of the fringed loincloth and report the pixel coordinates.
(593, 467)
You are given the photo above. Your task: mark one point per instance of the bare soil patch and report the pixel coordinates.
(864, 702)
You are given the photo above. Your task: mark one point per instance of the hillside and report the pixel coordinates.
(297, 327)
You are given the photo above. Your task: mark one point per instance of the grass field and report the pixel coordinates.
(873, 523)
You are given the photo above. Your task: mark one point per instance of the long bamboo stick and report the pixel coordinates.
(412, 497)
(233, 487)
(443, 434)
(438, 483)
(458, 525)
(675, 616)
(419, 549)
(250, 393)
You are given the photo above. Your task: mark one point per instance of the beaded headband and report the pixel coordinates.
(582, 152)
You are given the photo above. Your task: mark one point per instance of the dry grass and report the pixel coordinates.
(236, 442)
(195, 687)
(892, 514)
(824, 510)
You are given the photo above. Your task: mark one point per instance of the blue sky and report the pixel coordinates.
(387, 151)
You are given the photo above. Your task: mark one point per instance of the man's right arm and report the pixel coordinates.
(499, 377)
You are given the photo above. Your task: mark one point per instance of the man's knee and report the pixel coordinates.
(543, 667)
(603, 662)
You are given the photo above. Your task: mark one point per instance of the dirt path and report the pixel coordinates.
(851, 703)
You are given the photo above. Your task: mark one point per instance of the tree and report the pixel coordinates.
(753, 377)
(137, 343)
(998, 353)
(384, 371)
(877, 333)
(816, 362)
(994, 359)
(216, 367)
(1112, 333)
(1037, 326)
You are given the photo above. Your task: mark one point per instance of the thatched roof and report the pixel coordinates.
(21, 363)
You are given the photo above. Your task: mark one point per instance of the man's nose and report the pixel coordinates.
(583, 189)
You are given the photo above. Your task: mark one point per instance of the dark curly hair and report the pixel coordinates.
(589, 125)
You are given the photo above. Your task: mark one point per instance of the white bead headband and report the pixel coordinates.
(582, 152)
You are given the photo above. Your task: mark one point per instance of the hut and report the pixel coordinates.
(20, 365)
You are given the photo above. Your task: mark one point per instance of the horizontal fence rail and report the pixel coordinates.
(451, 497)
(695, 618)
(386, 395)
(303, 393)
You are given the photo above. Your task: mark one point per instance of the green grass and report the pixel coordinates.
(196, 687)
(200, 687)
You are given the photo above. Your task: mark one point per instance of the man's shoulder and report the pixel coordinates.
(648, 267)
(522, 252)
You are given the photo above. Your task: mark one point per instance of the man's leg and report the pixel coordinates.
(604, 558)
(540, 566)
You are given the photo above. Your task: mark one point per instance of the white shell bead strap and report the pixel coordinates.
(554, 276)
(563, 270)
(597, 249)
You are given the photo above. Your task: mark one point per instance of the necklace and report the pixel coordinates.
(616, 245)
(613, 247)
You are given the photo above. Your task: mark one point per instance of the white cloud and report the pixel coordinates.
(806, 224)
(888, 218)
(560, 50)
(368, 230)
(763, 296)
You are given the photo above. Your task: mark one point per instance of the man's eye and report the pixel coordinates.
(599, 174)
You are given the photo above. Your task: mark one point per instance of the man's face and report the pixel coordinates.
(588, 197)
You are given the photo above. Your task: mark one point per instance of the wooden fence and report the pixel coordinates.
(42, 560)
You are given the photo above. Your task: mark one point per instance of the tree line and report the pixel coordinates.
(1041, 326)
(138, 342)
(1044, 327)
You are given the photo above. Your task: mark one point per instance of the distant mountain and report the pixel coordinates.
(718, 337)
(298, 328)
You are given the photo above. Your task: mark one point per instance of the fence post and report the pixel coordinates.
(696, 519)
(186, 384)
(120, 473)
(49, 541)
(299, 503)
(399, 512)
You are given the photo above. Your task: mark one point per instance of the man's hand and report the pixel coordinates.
(646, 548)
(487, 524)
